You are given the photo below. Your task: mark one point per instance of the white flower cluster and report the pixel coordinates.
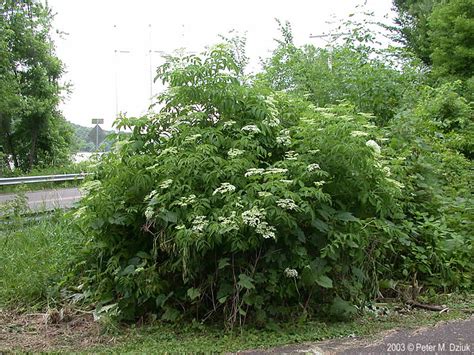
(314, 151)
(291, 273)
(228, 124)
(275, 171)
(225, 187)
(232, 153)
(359, 134)
(284, 137)
(264, 194)
(192, 138)
(328, 114)
(179, 227)
(266, 230)
(149, 213)
(184, 201)
(286, 181)
(291, 155)
(165, 184)
(150, 195)
(165, 135)
(228, 222)
(373, 144)
(251, 128)
(171, 150)
(398, 184)
(255, 217)
(254, 171)
(199, 223)
(272, 121)
(259, 171)
(320, 183)
(287, 204)
(313, 167)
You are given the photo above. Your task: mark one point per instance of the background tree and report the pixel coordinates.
(441, 34)
(351, 71)
(412, 26)
(33, 129)
(451, 32)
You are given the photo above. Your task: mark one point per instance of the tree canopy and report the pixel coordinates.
(33, 131)
(441, 34)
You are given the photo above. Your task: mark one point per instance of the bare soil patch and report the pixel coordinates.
(48, 331)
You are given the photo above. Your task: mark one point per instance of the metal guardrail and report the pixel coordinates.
(44, 178)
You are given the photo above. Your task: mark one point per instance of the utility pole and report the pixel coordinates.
(117, 52)
(150, 61)
(333, 37)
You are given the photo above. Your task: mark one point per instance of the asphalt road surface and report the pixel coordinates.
(454, 337)
(48, 199)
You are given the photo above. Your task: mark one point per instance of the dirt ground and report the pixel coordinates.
(45, 331)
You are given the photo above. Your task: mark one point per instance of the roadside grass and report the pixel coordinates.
(198, 338)
(34, 255)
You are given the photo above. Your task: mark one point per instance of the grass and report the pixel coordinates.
(34, 256)
(199, 338)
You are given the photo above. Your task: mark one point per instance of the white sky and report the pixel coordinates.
(97, 73)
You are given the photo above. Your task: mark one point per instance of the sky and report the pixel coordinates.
(106, 45)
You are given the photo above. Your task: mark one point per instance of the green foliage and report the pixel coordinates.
(33, 131)
(412, 28)
(429, 132)
(440, 33)
(451, 115)
(35, 256)
(236, 202)
(452, 39)
(432, 150)
(375, 81)
(268, 198)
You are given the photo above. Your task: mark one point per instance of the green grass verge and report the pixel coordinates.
(198, 338)
(34, 257)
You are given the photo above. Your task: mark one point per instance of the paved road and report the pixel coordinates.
(455, 337)
(48, 199)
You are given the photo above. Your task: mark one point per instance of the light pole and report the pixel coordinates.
(116, 53)
(150, 61)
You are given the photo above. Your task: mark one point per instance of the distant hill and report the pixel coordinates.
(82, 142)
